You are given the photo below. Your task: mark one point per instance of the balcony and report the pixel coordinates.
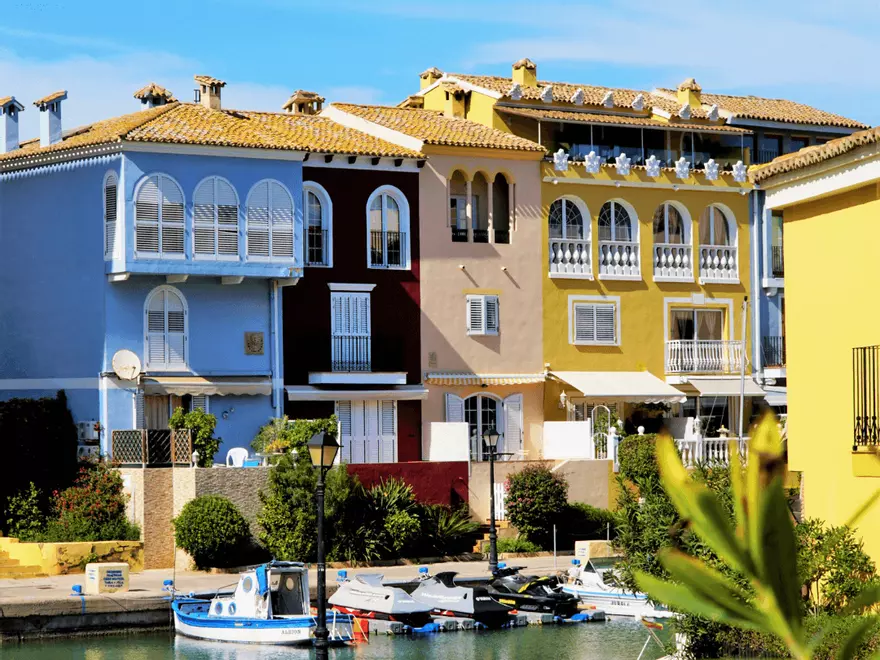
(765, 156)
(718, 264)
(619, 260)
(777, 264)
(387, 249)
(352, 363)
(459, 235)
(700, 356)
(673, 262)
(570, 258)
(866, 396)
(481, 235)
(350, 353)
(773, 351)
(317, 247)
(152, 447)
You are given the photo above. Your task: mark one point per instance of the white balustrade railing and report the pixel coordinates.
(619, 259)
(718, 263)
(691, 356)
(570, 258)
(710, 451)
(673, 261)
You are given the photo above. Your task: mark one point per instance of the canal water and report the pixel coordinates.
(620, 639)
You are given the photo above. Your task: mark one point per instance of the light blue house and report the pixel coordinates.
(142, 258)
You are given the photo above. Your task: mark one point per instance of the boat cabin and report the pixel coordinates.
(272, 591)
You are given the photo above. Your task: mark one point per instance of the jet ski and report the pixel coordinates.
(450, 599)
(528, 593)
(366, 597)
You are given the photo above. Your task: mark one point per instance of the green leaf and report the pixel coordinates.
(855, 638)
(866, 598)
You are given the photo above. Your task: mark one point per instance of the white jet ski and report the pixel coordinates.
(365, 596)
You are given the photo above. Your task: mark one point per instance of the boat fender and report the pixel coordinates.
(427, 628)
(580, 616)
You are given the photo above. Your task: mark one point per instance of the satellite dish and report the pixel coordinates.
(126, 365)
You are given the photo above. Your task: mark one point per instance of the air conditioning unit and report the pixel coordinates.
(88, 452)
(87, 431)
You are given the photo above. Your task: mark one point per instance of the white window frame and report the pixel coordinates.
(729, 220)
(586, 223)
(269, 227)
(351, 341)
(484, 300)
(633, 222)
(403, 206)
(161, 224)
(111, 228)
(326, 222)
(215, 225)
(165, 366)
(686, 239)
(574, 301)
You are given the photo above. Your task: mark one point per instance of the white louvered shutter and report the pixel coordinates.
(513, 423)
(454, 408)
(606, 328)
(350, 330)
(585, 323)
(371, 426)
(176, 337)
(199, 402)
(282, 221)
(171, 216)
(156, 331)
(343, 415)
(110, 194)
(492, 313)
(227, 219)
(475, 315)
(258, 221)
(204, 212)
(166, 331)
(146, 217)
(388, 431)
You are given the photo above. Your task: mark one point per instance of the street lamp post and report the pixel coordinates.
(322, 451)
(490, 439)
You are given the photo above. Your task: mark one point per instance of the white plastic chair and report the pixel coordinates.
(236, 456)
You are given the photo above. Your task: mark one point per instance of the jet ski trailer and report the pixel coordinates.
(453, 600)
(366, 597)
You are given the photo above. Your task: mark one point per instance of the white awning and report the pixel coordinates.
(775, 395)
(633, 386)
(210, 386)
(724, 386)
(465, 379)
(397, 393)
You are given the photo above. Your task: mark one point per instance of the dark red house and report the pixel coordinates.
(351, 325)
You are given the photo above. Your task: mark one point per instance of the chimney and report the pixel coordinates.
(50, 118)
(689, 93)
(302, 102)
(525, 72)
(154, 95)
(455, 100)
(208, 92)
(9, 110)
(429, 76)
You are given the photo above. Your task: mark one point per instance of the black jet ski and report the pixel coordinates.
(528, 593)
(450, 599)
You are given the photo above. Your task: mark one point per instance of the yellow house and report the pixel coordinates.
(829, 200)
(644, 242)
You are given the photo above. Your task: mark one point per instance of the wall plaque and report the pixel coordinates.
(253, 343)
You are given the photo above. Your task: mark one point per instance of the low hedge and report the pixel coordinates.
(212, 530)
(637, 456)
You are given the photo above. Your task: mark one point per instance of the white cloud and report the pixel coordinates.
(354, 94)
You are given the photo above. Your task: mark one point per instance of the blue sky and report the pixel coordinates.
(818, 52)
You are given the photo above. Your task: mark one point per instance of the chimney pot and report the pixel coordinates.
(50, 117)
(525, 72)
(153, 95)
(689, 92)
(209, 91)
(303, 102)
(9, 111)
(429, 76)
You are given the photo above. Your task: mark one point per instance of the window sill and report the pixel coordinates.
(159, 255)
(372, 267)
(570, 276)
(865, 464)
(594, 343)
(626, 278)
(482, 334)
(716, 280)
(663, 278)
(214, 257)
(773, 283)
(308, 265)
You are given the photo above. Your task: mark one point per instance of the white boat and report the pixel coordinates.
(594, 585)
(270, 605)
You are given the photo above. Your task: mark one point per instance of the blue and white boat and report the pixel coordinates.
(270, 605)
(594, 585)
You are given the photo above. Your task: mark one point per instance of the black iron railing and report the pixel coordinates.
(777, 264)
(765, 155)
(866, 396)
(773, 351)
(459, 235)
(388, 249)
(350, 353)
(481, 235)
(317, 248)
(502, 236)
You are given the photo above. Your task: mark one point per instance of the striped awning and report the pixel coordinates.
(464, 379)
(209, 386)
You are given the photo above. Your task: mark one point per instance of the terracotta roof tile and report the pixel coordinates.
(630, 120)
(432, 127)
(690, 85)
(54, 96)
(814, 154)
(209, 80)
(152, 89)
(187, 123)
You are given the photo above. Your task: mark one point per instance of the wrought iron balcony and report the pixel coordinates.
(773, 351)
(777, 264)
(317, 247)
(459, 235)
(387, 249)
(866, 396)
(351, 353)
(693, 356)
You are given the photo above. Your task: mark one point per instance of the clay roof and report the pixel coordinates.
(525, 62)
(152, 89)
(815, 154)
(690, 85)
(609, 119)
(187, 123)
(9, 100)
(432, 127)
(208, 80)
(433, 72)
(54, 96)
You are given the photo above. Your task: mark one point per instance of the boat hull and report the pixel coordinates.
(618, 603)
(414, 619)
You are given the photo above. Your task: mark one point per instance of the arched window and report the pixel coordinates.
(565, 220)
(715, 227)
(388, 225)
(270, 222)
(669, 226)
(501, 208)
(484, 412)
(318, 223)
(111, 186)
(215, 219)
(159, 217)
(615, 223)
(165, 329)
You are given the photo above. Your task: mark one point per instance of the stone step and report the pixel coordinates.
(20, 572)
(6, 562)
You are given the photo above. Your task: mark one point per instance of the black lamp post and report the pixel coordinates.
(490, 439)
(322, 451)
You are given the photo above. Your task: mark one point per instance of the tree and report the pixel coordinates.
(201, 425)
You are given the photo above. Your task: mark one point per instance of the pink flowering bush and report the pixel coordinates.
(536, 500)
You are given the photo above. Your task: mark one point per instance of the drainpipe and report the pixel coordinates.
(277, 398)
(757, 226)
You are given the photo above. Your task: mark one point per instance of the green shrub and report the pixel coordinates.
(517, 545)
(202, 426)
(536, 500)
(445, 531)
(212, 530)
(583, 522)
(637, 456)
(278, 435)
(26, 518)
